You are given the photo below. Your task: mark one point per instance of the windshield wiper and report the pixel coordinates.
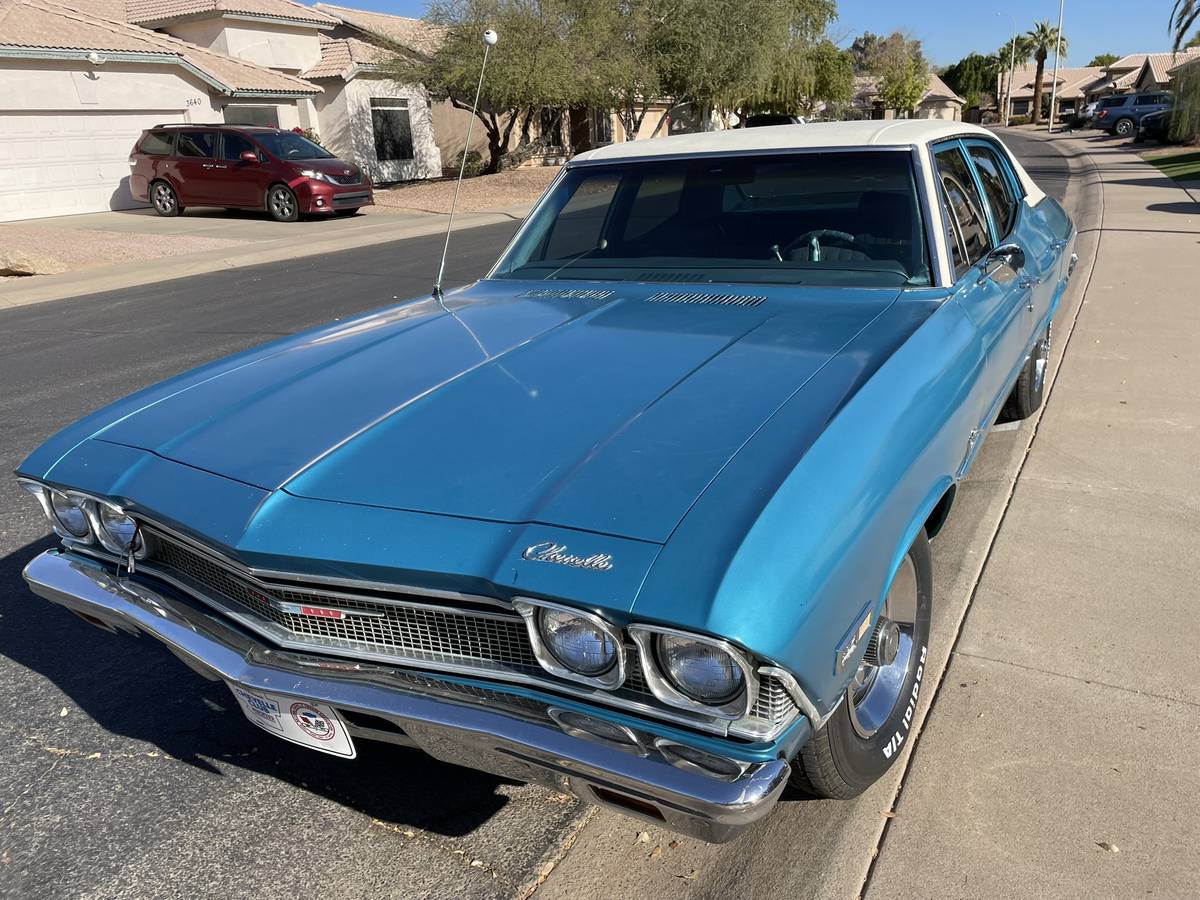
(603, 245)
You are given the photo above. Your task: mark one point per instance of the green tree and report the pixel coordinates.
(899, 65)
(1104, 60)
(1045, 39)
(1194, 42)
(1184, 15)
(973, 74)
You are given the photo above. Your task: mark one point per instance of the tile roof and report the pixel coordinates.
(412, 34)
(1161, 64)
(866, 87)
(1132, 61)
(146, 11)
(55, 27)
(1072, 82)
(341, 56)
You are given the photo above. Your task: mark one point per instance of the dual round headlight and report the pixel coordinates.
(580, 643)
(69, 514)
(699, 669)
(78, 517)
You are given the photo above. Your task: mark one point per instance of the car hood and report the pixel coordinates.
(596, 408)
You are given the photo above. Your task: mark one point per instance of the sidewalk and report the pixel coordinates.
(1060, 758)
(223, 241)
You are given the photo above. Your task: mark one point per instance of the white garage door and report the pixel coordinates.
(56, 164)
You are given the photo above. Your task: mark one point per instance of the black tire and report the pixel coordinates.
(164, 199)
(348, 212)
(1123, 127)
(864, 738)
(1029, 391)
(282, 205)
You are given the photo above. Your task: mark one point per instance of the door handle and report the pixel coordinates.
(208, 166)
(1028, 281)
(1058, 246)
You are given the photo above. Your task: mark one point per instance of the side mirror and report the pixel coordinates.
(248, 156)
(1006, 256)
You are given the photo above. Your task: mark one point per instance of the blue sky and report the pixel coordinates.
(950, 29)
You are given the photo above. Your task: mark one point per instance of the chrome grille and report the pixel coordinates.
(419, 633)
(352, 178)
(408, 628)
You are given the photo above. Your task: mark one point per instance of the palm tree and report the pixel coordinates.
(1015, 52)
(1045, 38)
(1185, 14)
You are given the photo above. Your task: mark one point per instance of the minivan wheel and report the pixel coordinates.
(864, 737)
(1123, 128)
(164, 199)
(282, 205)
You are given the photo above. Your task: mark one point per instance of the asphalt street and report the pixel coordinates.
(125, 774)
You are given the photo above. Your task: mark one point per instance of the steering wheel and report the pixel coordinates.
(803, 240)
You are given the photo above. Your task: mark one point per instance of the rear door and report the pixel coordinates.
(195, 159)
(988, 301)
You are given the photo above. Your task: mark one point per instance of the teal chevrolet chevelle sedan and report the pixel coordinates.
(643, 515)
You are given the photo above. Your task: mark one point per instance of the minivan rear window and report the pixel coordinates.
(156, 143)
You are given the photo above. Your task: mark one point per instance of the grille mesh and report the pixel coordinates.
(418, 632)
(352, 178)
(702, 297)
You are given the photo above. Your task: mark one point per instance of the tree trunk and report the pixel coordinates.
(1036, 115)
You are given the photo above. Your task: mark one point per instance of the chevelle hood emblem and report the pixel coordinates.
(551, 552)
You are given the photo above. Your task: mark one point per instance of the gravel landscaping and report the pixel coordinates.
(485, 193)
(56, 249)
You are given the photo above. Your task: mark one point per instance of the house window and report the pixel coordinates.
(602, 129)
(252, 115)
(1020, 107)
(392, 128)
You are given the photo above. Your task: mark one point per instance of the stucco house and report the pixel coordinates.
(80, 79)
(938, 102)
(1079, 86)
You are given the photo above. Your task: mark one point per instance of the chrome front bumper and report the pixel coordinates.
(495, 731)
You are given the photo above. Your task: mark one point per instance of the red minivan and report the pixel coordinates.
(243, 167)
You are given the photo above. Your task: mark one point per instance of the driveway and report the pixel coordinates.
(124, 774)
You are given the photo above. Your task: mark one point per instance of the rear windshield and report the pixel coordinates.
(833, 218)
(288, 145)
(156, 143)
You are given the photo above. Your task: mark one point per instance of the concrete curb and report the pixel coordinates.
(91, 281)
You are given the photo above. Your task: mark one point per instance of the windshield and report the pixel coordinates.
(289, 145)
(831, 218)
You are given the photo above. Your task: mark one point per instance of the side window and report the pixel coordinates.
(197, 144)
(235, 145)
(156, 143)
(968, 225)
(996, 185)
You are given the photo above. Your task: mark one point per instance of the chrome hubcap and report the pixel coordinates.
(875, 691)
(281, 203)
(163, 198)
(1041, 360)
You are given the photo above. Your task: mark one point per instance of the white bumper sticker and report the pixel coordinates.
(303, 722)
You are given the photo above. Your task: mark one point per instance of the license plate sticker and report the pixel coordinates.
(305, 722)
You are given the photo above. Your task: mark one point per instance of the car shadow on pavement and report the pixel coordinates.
(137, 689)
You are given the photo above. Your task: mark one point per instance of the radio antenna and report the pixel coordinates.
(489, 40)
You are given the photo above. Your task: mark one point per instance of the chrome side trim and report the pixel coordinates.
(738, 708)
(529, 607)
(806, 706)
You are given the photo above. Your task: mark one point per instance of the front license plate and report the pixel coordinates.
(303, 722)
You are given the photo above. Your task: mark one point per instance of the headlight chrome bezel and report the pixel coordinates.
(97, 532)
(737, 707)
(531, 610)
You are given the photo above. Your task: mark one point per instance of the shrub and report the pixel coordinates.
(1018, 120)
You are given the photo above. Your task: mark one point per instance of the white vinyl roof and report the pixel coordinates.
(900, 133)
(868, 133)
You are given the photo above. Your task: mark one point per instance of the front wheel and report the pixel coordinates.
(864, 737)
(282, 205)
